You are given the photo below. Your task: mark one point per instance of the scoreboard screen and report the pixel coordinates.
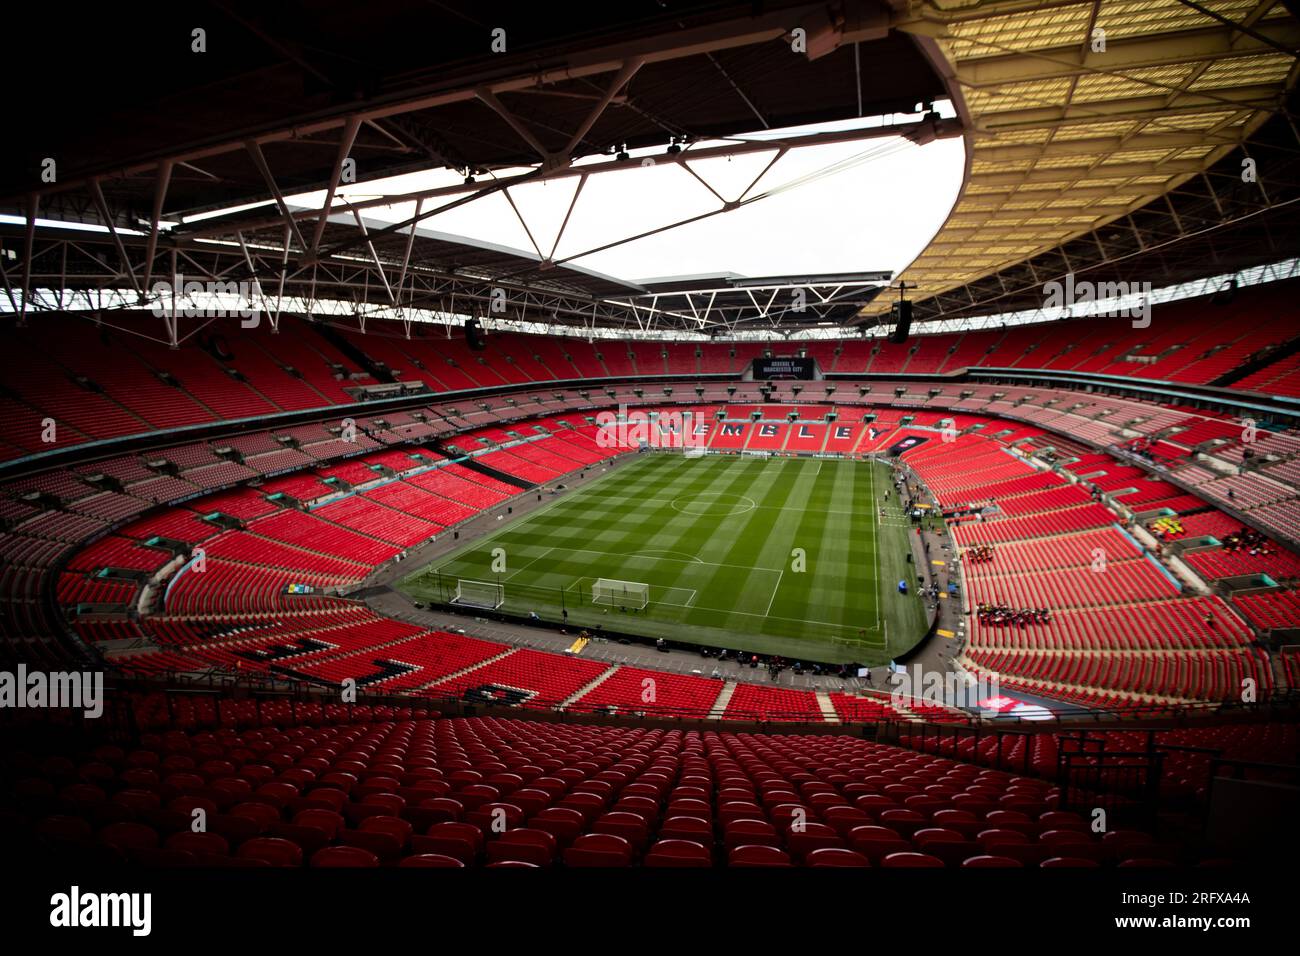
(789, 367)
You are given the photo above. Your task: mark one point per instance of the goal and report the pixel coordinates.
(633, 594)
(486, 594)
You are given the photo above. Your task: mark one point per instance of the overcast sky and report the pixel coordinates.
(862, 206)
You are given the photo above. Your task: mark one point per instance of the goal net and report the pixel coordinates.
(614, 593)
(479, 594)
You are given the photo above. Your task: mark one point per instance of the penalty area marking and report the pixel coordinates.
(533, 561)
(690, 593)
(573, 587)
(647, 552)
(722, 610)
(777, 587)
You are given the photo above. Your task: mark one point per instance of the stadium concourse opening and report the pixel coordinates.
(791, 435)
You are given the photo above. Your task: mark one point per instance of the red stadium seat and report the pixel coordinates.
(431, 860)
(271, 850)
(343, 856)
(748, 855)
(1060, 862)
(910, 861)
(528, 845)
(599, 849)
(463, 841)
(835, 856)
(678, 853)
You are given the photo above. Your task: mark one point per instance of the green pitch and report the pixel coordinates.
(781, 556)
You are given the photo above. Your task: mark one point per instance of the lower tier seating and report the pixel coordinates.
(396, 791)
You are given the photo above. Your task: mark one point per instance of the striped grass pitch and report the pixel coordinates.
(719, 541)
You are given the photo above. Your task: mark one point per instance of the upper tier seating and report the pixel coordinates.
(100, 381)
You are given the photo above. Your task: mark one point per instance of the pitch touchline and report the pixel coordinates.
(875, 543)
(777, 617)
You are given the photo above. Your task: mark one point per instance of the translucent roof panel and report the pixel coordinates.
(861, 205)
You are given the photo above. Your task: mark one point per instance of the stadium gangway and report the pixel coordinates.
(231, 690)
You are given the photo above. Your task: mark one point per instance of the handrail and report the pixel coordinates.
(216, 682)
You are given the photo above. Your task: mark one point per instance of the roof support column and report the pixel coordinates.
(98, 195)
(159, 197)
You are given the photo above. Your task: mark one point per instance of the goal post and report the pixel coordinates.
(614, 593)
(485, 594)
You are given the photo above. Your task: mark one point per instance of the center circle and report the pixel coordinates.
(707, 505)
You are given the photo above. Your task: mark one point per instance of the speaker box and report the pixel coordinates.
(474, 335)
(903, 322)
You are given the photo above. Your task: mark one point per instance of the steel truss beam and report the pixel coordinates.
(514, 74)
(87, 265)
(462, 193)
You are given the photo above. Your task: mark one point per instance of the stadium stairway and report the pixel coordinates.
(375, 650)
(724, 698)
(464, 670)
(1173, 562)
(381, 373)
(588, 688)
(1258, 362)
(828, 709)
(503, 476)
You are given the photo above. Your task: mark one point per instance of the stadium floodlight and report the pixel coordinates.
(485, 594)
(633, 594)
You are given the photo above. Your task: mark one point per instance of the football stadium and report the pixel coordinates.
(662, 434)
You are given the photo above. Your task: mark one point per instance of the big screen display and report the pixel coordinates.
(784, 367)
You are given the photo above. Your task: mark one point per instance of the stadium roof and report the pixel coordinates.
(1065, 134)
(1081, 112)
